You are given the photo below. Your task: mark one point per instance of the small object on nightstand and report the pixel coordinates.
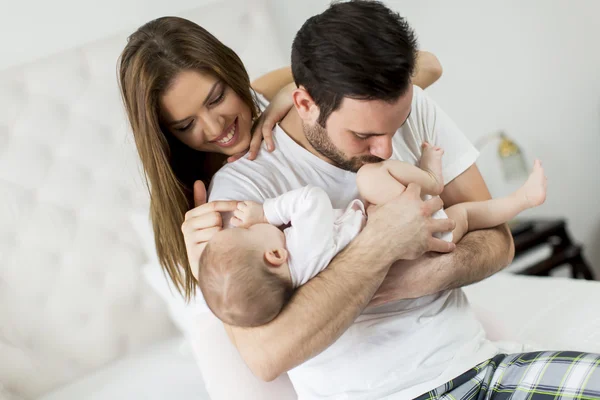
(512, 159)
(531, 233)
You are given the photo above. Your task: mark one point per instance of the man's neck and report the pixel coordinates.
(292, 125)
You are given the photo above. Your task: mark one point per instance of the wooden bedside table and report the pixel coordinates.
(531, 233)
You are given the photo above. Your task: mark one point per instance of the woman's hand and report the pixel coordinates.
(201, 223)
(277, 109)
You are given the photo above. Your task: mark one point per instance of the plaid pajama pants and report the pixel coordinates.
(531, 376)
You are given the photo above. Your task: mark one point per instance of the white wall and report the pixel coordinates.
(529, 67)
(33, 29)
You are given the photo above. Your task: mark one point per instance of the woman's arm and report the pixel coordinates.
(272, 82)
(427, 71)
(277, 87)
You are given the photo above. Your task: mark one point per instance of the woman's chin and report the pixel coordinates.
(230, 151)
(243, 146)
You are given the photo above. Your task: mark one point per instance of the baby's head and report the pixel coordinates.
(244, 276)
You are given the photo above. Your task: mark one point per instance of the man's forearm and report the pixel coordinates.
(318, 313)
(482, 254)
(477, 256)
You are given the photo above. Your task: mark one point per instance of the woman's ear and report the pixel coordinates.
(305, 105)
(276, 257)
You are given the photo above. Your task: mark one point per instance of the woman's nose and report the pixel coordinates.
(213, 126)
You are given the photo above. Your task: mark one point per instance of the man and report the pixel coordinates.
(355, 104)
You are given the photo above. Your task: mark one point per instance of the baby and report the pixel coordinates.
(248, 273)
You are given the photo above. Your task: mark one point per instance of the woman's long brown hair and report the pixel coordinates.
(154, 55)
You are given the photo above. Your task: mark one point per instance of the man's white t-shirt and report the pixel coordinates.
(403, 349)
(317, 231)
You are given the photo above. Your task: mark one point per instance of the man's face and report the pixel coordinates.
(360, 131)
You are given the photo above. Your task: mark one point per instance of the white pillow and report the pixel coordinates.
(548, 313)
(180, 311)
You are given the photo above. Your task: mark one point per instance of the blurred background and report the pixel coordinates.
(529, 69)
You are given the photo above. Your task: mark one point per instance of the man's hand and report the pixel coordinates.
(248, 213)
(201, 223)
(403, 227)
(478, 255)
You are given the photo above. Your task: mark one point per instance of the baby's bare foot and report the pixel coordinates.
(534, 189)
(431, 161)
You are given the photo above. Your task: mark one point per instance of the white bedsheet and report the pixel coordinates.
(167, 370)
(548, 313)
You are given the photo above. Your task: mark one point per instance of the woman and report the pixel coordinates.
(192, 107)
(174, 52)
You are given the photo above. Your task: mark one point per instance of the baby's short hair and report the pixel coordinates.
(236, 282)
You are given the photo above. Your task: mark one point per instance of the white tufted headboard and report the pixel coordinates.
(72, 296)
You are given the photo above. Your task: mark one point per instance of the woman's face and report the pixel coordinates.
(205, 114)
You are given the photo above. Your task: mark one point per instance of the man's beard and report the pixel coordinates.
(319, 140)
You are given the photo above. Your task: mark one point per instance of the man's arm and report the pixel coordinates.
(477, 256)
(317, 314)
(322, 309)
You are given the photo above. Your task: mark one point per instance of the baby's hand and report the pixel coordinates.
(248, 213)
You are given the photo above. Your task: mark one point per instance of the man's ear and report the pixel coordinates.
(305, 105)
(276, 257)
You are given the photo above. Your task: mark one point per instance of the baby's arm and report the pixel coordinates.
(248, 213)
(310, 239)
(302, 207)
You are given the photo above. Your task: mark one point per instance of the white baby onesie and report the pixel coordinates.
(317, 231)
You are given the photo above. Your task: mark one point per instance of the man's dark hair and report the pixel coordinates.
(358, 49)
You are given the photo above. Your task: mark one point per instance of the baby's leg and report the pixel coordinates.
(475, 215)
(458, 213)
(380, 182)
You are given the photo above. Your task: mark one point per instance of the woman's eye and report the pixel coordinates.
(185, 128)
(218, 99)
